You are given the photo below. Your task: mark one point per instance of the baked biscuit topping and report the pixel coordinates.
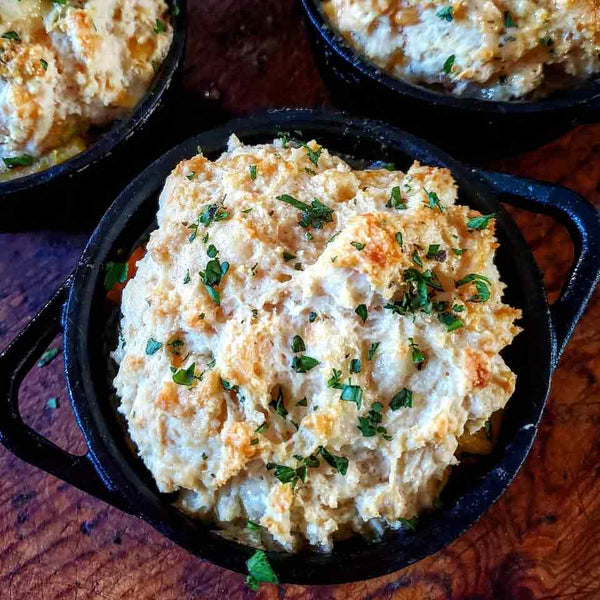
(304, 343)
(65, 66)
(493, 49)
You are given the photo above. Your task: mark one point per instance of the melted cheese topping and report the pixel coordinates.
(64, 68)
(209, 439)
(493, 49)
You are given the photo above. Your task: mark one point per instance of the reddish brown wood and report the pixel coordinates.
(541, 540)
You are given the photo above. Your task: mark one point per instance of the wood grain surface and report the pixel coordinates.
(540, 541)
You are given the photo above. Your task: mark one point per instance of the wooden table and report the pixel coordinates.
(541, 540)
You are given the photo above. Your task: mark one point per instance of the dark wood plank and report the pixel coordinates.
(541, 540)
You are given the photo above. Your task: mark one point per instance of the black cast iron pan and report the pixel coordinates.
(69, 192)
(466, 127)
(112, 472)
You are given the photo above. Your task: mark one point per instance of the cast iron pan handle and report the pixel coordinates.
(582, 221)
(15, 362)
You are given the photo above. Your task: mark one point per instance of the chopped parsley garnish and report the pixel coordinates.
(361, 311)
(332, 238)
(372, 349)
(434, 201)
(334, 380)
(259, 570)
(187, 277)
(298, 344)
(252, 526)
(479, 223)
(312, 317)
(303, 364)
(302, 402)
(116, 272)
(448, 64)
(358, 245)
(416, 259)
(12, 35)
(416, 297)
(508, 20)
(262, 428)
(159, 27)
(44, 64)
(481, 285)
(212, 251)
(458, 251)
(417, 356)
(395, 200)
(355, 365)
(253, 172)
(152, 346)
(309, 171)
(313, 155)
(278, 404)
(247, 210)
(313, 215)
(446, 13)
(452, 322)
(403, 399)
(191, 175)
(339, 463)
(185, 376)
(284, 136)
(352, 393)
(287, 256)
(398, 237)
(47, 357)
(287, 474)
(432, 250)
(370, 426)
(254, 441)
(25, 160)
(213, 274)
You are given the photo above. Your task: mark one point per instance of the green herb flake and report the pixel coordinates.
(191, 175)
(417, 356)
(115, 272)
(253, 172)
(287, 256)
(434, 201)
(262, 428)
(352, 393)
(152, 346)
(278, 404)
(185, 376)
(448, 64)
(47, 357)
(452, 322)
(44, 64)
(358, 245)
(302, 402)
(298, 344)
(313, 215)
(432, 250)
(398, 237)
(355, 365)
(339, 463)
(25, 160)
(479, 223)
(361, 311)
(159, 27)
(395, 200)
(416, 258)
(312, 317)
(313, 155)
(334, 380)
(303, 364)
(187, 278)
(372, 349)
(409, 523)
(403, 399)
(508, 20)
(259, 570)
(458, 251)
(52, 403)
(481, 285)
(446, 13)
(252, 526)
(11, 35)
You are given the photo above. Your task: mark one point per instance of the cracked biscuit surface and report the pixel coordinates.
(304, 343)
